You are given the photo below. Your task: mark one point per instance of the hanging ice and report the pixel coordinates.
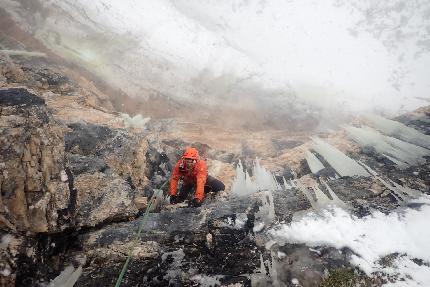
(336, 200)
(404, 193)
(313, 162)
(321, 200)
(344, 165)
(244, 185)
(400, 152)
(398, 130)
(262, 181)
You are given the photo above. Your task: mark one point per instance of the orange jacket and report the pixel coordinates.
(197, 177)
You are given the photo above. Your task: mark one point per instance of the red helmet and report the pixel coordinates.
(191, 153)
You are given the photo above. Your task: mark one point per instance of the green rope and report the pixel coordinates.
(136, 239)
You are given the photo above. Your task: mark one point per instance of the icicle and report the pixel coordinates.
(313, 162)
(286, 185)
(398, 130)
(263, 178)
(322, 199)
(307, 194)
(400, 152)
(244, 185)
(336, 200)
(344, 165)
(262, 267)
(273, 269)
(67, 277)
(397, 191)
(370, 170)
(409, 191)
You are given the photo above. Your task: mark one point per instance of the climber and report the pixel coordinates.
(192, 170)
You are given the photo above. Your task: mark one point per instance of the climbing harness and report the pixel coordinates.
(157, 193)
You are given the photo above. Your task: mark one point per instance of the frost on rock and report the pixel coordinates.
(313, 162)
(207, 281)
(344, 165)
(373, 237)
(175, 271)
(401, 153)
(398, 130)
(138, 121)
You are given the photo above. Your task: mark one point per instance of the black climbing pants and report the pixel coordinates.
(212, 185)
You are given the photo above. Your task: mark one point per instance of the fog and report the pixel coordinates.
(336, 55)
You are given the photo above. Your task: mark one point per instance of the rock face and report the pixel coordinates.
(54, 176)
(32, 148)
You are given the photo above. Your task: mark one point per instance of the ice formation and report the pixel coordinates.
(344, 165)
(321, 200)
(336, 200)
(400, 152)
(262, 181)
(398, 130)
(373, 237)
(244, 185)
(136, 121)
(404, 193)
(313, 162)
(67, 277)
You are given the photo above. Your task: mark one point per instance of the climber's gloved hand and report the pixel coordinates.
(174, 199)
(196, 202)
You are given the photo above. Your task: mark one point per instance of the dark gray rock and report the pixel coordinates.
(19, 96)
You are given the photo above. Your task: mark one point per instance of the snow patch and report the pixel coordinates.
(175, 267)
(372, 237)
